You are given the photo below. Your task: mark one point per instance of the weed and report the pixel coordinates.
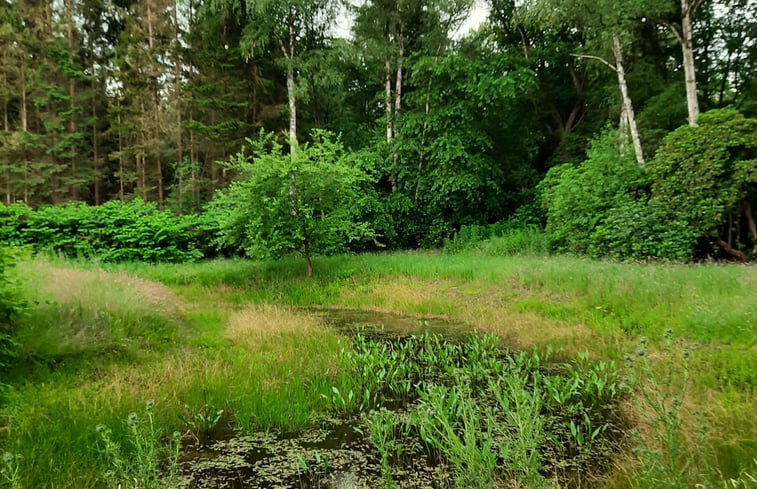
(10, 472)
(663, 456)
(137, 463)
(202, 421)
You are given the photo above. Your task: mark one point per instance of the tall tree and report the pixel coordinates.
(288, 24)
(606, 25)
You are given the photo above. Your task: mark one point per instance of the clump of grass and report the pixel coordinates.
(141, 460)
(665, 458)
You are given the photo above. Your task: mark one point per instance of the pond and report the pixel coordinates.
(432, 410)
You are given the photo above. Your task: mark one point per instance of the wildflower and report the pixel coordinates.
(668, 332)
(641, 352)
(132, 420)
(100, 428)
(643, 340)
(150, 405)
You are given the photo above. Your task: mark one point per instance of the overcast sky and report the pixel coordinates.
(477, 16)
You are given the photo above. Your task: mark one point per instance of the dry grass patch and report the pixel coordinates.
(485, 307)
(247, 327)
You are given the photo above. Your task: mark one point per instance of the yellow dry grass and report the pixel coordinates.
(70, 285)
(484, 307)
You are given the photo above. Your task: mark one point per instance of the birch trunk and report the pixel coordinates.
(687, 46)
(617, 50)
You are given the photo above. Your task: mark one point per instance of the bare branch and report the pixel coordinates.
(597, 58)
(671, 28)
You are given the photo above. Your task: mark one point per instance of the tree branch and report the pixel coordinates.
(597, 58)
(671, 28)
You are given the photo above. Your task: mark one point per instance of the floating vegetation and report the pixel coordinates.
(423, 411)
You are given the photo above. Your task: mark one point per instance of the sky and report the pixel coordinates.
(477, 16)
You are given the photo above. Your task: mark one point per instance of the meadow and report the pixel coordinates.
(122, 367)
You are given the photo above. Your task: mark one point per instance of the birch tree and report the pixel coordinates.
(606, 25)
(287, 24)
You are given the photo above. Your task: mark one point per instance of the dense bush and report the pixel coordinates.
(10, 306)
(706, 177)
(701, 184)
(579, 198)
(116, 231)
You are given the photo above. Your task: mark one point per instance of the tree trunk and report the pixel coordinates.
(306, 253)
(6, 128)
(177, 95)
(617, 50)
(290, 87)
(155, 103)
(397, 101)
(731, 251)
(687, 46)
(24, 128)
(95, 138)
(120, 159)
(747, 209)
(71, 96)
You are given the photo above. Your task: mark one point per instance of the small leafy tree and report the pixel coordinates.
(303, 202)
(707, 175)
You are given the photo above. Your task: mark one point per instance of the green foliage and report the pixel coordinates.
(283, 204)
(142, 461)
(578, 198)
(639, 230)
(702, 174)
(116, 231)
(11, 305)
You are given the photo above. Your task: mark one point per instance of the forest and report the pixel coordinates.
(567, 114)
(342, 244)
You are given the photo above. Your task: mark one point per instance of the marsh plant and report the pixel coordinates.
(486, 414)
(382, 427)
(661, 392)
(139, 459)
(202, 421)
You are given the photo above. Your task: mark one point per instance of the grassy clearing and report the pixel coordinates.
(226, 334)
(99, 346)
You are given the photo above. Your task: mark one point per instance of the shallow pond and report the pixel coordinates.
(431, 390)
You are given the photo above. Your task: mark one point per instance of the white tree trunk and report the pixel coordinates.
(290, 90)
(617, 50)
(687, 46)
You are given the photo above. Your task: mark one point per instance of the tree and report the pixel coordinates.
(289, 24)
(303, 202)
(605, 23)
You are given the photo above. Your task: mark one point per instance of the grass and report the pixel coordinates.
(101, 342)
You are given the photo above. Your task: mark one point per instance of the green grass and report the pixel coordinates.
(99, 344)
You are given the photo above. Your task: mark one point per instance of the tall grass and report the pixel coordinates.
(96, 348)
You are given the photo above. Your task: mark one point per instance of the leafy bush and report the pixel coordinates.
(10, 306)
(579, 198)
(303, 203)
(706, 177)
(115, 231)
(639, 230)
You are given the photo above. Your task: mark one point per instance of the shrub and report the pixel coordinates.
(706, 177)
(579, 198)
(115, 231)
(10, 306)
